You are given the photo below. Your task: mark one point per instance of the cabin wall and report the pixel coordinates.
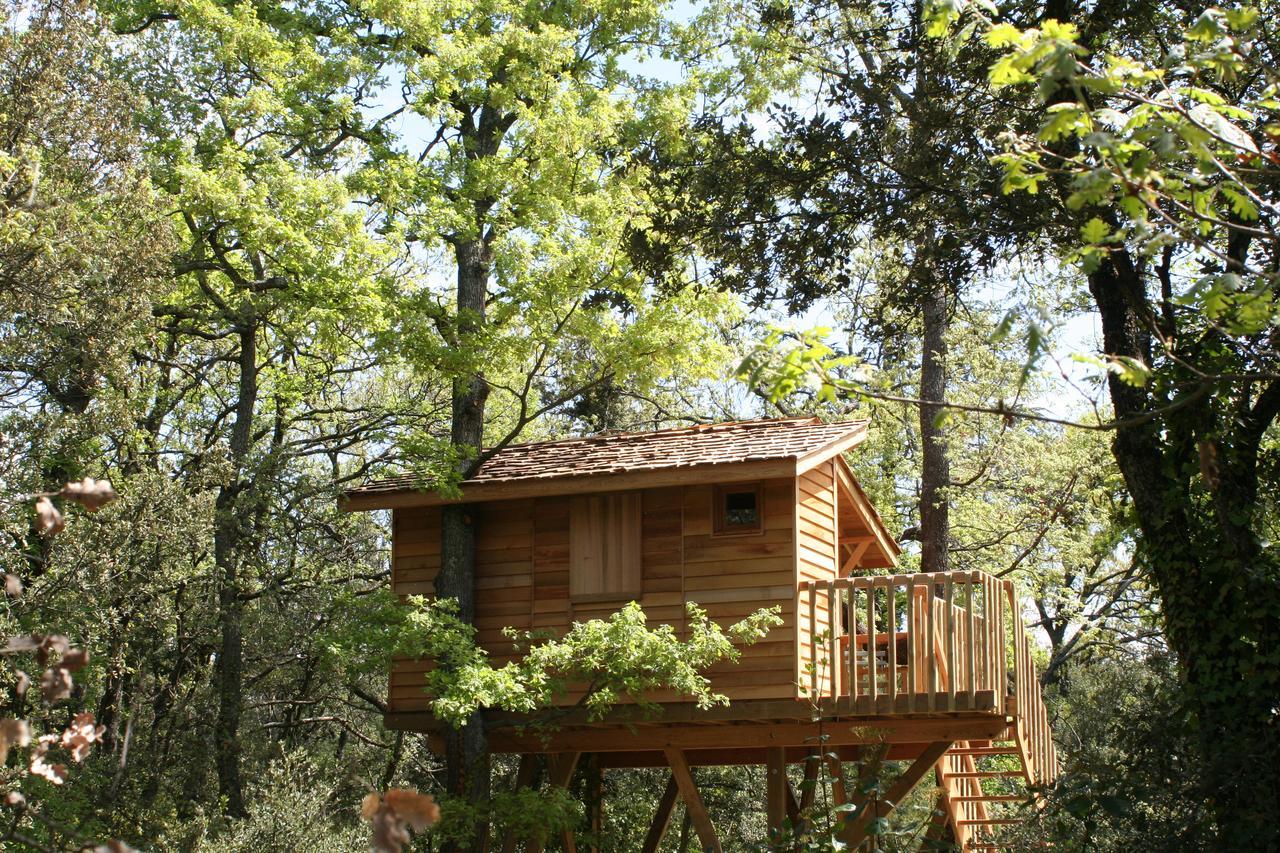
(522, 578)
(816, 525)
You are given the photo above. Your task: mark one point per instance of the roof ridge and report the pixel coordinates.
(698, 427)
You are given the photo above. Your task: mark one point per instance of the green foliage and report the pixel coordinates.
(616, 659)
(294, 808)
(1131, 774)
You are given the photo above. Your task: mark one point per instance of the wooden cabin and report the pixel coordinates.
(930, 669)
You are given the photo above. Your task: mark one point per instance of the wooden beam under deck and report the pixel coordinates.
(755, 735)
(867, 712)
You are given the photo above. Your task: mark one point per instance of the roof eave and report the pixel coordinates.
(483, 492)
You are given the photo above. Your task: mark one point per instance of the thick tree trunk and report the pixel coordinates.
(935, 467)
(1219, 595)
(466, 749)
(227, 541)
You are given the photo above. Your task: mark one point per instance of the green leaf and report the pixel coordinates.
(1095, 231)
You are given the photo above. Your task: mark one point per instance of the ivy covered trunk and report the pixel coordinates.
(1192, 474)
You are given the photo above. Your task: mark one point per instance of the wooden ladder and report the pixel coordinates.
(983, 785)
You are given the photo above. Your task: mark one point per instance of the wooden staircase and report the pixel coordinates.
(987, 785)
(953, 643)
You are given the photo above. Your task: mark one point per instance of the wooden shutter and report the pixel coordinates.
(604, 546)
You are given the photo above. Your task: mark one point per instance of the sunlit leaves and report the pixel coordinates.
(621, 658)
(1163, 145)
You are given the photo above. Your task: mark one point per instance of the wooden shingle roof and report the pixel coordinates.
(739, 450)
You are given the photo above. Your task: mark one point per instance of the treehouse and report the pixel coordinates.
(932, 670)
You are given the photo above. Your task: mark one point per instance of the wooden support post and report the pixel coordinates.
(562, 767)
(793, 808)
(662, 817)
(854, 832)
(524, 779)
(775, 788)
(809, 787)
(836, 771)
(595, 801)
(692, 800)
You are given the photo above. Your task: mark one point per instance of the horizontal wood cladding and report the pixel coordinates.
(817, 514)
(524, 575)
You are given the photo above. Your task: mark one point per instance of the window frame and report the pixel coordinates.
(719, 509)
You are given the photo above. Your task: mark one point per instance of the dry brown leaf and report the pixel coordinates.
(75, 659)
(13, 586)
(56, 684)
(48, 520)
(55, 773)
(417, 810)
(81, 735)
(12, 733)
(52, 643)
(29, 643)
(390, 834)
(391, 816)
(89, 493)
(369, 805)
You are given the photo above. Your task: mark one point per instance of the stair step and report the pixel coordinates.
(985, 774)
(994, 821)
(989, 798)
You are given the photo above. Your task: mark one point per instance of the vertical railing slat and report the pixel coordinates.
(813, 642)
(912, 653)
(853, 647)
(891, 615)
(872, 688)
(931, 648)
(949, 599)
(834, 615)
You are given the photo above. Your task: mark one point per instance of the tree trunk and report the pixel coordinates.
(227, 541)
(1219, 597)
(935, 467)
(466, 749)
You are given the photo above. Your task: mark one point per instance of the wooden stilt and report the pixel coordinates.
(662, 817)
(562, 767)
(595, 802)
(692, 800)
(836, 771)
(854, 832)
(809, 787)
(775, 788)
(793, 807)
(524, 779)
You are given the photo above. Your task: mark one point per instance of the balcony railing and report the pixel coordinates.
(924, 643)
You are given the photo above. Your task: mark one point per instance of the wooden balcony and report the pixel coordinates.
(930, 645)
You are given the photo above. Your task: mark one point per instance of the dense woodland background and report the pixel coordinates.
(254, 253)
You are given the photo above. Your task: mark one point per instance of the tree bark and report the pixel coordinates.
(935, 467)
(466, 749)
(1218, 591)
(227, 553)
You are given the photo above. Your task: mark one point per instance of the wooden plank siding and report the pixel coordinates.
(816, 510)
(523, 569)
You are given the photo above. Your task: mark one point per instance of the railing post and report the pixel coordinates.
(813, 640)
(834, 620)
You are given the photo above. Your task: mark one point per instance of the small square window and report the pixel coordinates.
(738, 508)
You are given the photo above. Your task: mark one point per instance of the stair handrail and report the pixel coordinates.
(1031, 716)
